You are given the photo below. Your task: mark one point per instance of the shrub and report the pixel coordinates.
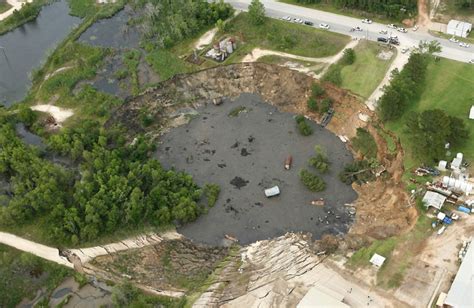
(333, 75)
(359, 171)
(349, 57)
(320, 160)
(211, 192)
(326, 104)
(312, 181)
(364, 142)
(312, 104)
(303, 126)
(317, 90)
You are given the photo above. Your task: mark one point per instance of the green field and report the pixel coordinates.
(449, 86)
(283, 36)
(366, 73)
(4, 6)
(24, 274)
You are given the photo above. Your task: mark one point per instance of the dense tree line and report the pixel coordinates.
(118, 185)
(464, 4)
(405, 88)
(430, 130)
(389, 8)
(165, 22)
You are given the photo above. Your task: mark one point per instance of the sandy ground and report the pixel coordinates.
(58, 113)
(16, 5)
(257, 53)
(205, 39)
(398, 63)
(252, 146)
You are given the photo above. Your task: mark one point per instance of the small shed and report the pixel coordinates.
(377, 260)
(471, 113)
(459, 28)
(434, 199)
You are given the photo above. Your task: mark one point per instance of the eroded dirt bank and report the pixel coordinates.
(383, 207)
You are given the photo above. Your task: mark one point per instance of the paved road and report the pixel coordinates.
(342, 24)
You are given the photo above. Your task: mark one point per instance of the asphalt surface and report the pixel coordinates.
(245, 155)
(342, 24)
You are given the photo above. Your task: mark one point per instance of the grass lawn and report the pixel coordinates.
(4, 6)
(366, 73)
(23, 274)
(449, 86)
(284, 36)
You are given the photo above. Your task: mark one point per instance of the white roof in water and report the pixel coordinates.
(471, 113)
(316, 297)
(434, 199)
(461, 293)
(273, 191)
(377, 260)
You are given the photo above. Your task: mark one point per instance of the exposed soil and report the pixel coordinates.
(177, 265)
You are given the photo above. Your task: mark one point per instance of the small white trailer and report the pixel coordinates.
(273, 191)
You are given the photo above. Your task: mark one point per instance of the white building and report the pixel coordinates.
(377, 260)
(459, 28)
(434, 199)
(461, 293)
(471, 113)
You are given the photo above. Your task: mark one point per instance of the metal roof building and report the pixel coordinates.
(461, 293)
(434, 199)
(459, 28)
(377, 260)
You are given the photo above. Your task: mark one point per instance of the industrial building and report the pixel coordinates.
(458, 28)
(461, 293)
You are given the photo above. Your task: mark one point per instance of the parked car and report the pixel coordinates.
(383, 32)
(298, 20)
(392, 26)
(403, 30)
(324, 26)
(471, 61)
(465, 45)
(382, 39)
(287, 18)
(405, 50)
(308, 23)
(453, 40)
(366, 21)
(356, 29)
(441, 230)
(415, 28)
(394, 41)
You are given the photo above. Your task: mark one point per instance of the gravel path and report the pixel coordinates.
(244, 155)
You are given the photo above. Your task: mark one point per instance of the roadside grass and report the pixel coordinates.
(327, 7)
(365, 74)
(4, 6)
(285, 36)
(448, 87)
(399, 252)
(274, 59)
(23, 274)
(27, 13)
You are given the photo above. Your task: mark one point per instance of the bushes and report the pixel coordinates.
(318, 102)
(406, 87)
(320, 160)
(312, 181)
(211, 191)
(313, 104)
(359, 172)
(317, 90)
(333, 75)
(325, 105)
(303, 126)
(364, 143)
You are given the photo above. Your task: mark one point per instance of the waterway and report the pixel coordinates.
(27, 46)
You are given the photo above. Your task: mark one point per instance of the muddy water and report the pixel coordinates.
(27, 46)
(245, 155)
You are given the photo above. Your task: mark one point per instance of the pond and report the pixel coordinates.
(244, 153)
(27, 46)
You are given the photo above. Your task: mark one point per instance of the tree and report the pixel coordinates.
(312, 181)
(256, 12)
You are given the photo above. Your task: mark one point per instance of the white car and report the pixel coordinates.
(383, 32)
(453, 40)
(415, 28)
(324, 26)
(465, 45)
(366, 21)
(405, 50)
(403, 30)
(392, 26)
(471, 61)
(298, 20)
(287, 18)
